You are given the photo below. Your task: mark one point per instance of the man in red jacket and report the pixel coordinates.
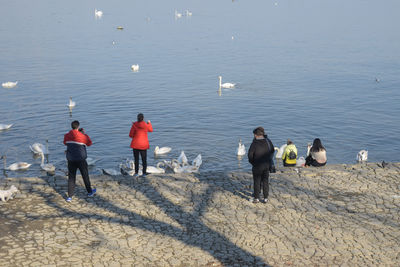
(76, 141)
(140, 141)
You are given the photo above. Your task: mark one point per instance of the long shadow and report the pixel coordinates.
(329, 200)
(194, 232)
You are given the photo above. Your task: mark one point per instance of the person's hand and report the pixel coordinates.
(148, 121)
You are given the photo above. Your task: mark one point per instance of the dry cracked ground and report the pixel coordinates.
(338, 215)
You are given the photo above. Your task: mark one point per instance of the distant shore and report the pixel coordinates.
(333, 215)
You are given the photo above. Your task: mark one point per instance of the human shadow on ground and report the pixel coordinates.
(194, 231)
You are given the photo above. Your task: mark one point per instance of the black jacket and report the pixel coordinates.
(260, 153)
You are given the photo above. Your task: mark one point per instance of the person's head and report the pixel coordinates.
(259, 132)
(289, 142)
(75, 125)
(140, 117)
(317, 145)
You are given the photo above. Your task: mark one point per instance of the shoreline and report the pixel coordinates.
(331, 215)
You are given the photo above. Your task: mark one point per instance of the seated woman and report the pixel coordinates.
(316, 154)
(289, 156)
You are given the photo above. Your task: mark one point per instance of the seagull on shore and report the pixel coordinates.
(9, 84)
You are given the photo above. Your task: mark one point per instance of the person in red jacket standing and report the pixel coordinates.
(140, 142)
(76, 141)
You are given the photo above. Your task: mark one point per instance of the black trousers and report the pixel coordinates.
(83, 168)
(143, 155)
(261, 179)
(312, 162)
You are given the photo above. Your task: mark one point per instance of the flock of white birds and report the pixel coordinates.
(362, 155)
(179, 165)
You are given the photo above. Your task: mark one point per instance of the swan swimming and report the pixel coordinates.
(225, 85)
(18, 166)
(135, 68)
(187, 168)
(47, 167)
(98, 13)
(177, 14)
(162, 150)
(9, 84)
(157, 169)
(182, 159)
(241, 150)
(5, 126)
(362, 155)
(38, 148)
(71, 103)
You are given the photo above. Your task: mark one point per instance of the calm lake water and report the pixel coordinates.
(303, 69)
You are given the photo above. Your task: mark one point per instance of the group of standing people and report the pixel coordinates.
(261, 154)
(77, 140)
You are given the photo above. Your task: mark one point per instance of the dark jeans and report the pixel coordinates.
(312, 162)
(260, 178)
(83, 168)
(143, 155)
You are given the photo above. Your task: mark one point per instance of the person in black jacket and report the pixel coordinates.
(260, 153)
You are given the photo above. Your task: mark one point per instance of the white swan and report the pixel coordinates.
(9, 84)
(18, 166)
(182, 159)
(135, 68)
(98, 13)
(280, 151)
(162, 150)
(225, 85)
(5, 126)
(241, 150)
(71, 103)
(187, 168)
(362, 155)
(197, 161)
(174, 163)
(47, 167)
(177, 14)
(157, 169)
(38, 148)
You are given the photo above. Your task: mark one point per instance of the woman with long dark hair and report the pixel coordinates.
(140, 142)
(316, 154)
